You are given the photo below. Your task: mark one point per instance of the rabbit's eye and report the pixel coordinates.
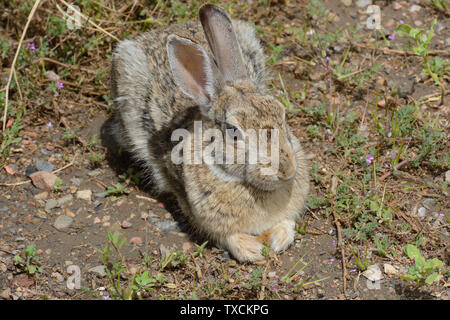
(233, 132)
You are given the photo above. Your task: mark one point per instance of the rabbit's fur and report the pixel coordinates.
(168, 78)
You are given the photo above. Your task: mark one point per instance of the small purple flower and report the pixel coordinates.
(369, 159)
(327, 58)
(386, 165)
(401, 22)
(332, 260)
(273, 288)
(326, 68)
(106, 297)
(392, 36)
(60, 84)
(49, 124)
(441, 214)
(396, 167)
(31, 46)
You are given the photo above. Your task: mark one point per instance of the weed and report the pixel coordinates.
(424, 271)
(29, 262)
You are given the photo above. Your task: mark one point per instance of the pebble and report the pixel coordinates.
(66, 199)
(94, 173)
(136, 240)
(98, 270)
(51, 75)
(58, 276)
(50, 204)
(84, 195)
(373, 273)
(6, 294)
(421, 212)
(62, 222)
(167, 225)
(125, 224)
(347, 3)
(225, 255)
(75, 181)
(429, 203)
(447, 177)
(447, 43)
(397, 6)
(389, 269)
(44, 166)
(363, 3)
(43, 180)
(390, 23)
(41, 196)
(418, 23)
(415, 8)
(354, 15)
(100, 195)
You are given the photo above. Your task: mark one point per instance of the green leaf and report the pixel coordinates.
(403, 28)
(436, 263)
(432, 278)
(412, 251)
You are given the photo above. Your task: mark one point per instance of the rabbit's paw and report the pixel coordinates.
(244, 247)
(280, 236)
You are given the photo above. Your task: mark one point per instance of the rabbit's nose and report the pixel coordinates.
(286, 174)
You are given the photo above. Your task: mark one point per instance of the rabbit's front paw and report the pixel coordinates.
(245, 247)
(280, 236)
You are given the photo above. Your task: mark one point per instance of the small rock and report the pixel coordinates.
(389, 269)
(62, 222)
(397, 6)
(272, 274)
(6, 294)
(415, 8)
(50, 204)
(390, 23)
(51, 75)
(66, 199)
(347, 3)
(43, 180)
(373, 273)
(447, 42)
(75, 181)
(44, 166)
(125, 224)
(186, 247)
(382, 103)
(421, 212)
(363, 3)
(354, 15)
(447, 177)
(98, 270)
(41, 196)
(95, 173)
(84, 195)
(100, 195)
(58, 276)
(418, 23)
(167, 225)
(429, 203)
(136, 240)
(97, 220)
(225, 255)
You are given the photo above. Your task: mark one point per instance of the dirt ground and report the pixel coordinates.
(69, 227)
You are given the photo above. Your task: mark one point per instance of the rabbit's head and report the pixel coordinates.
(251, 122)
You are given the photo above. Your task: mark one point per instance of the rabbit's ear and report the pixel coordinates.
(191, 69)
(222, 40)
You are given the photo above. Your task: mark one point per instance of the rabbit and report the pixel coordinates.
(211, 71)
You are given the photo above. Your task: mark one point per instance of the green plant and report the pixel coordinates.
(200, 249)
(254, 282)
(136, 282)
(424, 271)
(422, 42)
(58, 184)
(29, 262)
(173, 260)
(117, 190)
